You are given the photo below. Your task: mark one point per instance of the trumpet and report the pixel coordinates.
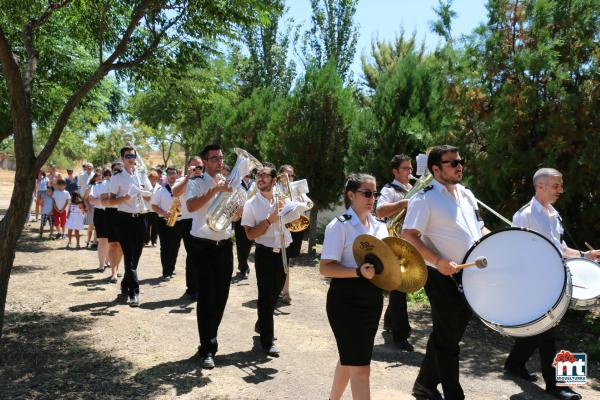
(174, 212)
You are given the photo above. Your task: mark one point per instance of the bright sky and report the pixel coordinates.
(385, 18)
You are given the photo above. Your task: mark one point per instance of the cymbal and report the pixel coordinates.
(398, 264)
(413, 270)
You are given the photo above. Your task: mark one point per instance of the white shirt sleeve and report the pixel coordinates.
(333, 244)
(156, 196)
(114, 184)
(387, 196)
(248, 218)
(417, 214)
(519, 220)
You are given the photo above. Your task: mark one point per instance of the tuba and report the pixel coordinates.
(224, 207)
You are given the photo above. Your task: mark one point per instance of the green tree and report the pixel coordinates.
(310, 131)
(130, 39)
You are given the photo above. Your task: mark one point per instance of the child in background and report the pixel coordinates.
(61, 201)
(47, 207)
(75, 219)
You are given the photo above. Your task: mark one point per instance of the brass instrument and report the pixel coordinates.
(224, 207)
(281, 190)
(394, 224)
(298, 190)
(174, 212)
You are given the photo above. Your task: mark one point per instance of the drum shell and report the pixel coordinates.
(557, 303)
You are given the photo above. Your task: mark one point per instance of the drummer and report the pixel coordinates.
(539, 215)
(354, 305)
(443, 222)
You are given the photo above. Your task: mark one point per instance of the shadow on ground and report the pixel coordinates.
(30, 243)
(23, 269)
(50, 356)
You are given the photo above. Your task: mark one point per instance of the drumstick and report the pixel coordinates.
(588, 246)
(480, 262)
(582, 287)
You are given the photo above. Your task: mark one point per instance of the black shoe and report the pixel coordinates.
(403, 345)
(208, 361)
(191, 296)
(563, 393)
(421, 392)
(256, 328)
(134, 301)
(520, 372)
(272, 351)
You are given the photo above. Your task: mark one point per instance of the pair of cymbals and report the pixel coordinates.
(398, 264)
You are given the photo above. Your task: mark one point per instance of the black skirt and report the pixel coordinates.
(293, 249)
(100, 223)
(110, 218)
(354, 308)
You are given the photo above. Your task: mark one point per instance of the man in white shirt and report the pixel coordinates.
(212, 252)
(128, 190)
(242, 243)
(443, 222)
(84, 177)
(170, 236)
(195, 168)
(260, 220)
(389, 204)
(539, 215)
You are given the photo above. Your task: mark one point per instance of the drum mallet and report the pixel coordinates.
(588, 246)
(480, 262)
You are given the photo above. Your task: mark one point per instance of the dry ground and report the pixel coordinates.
(66, 337)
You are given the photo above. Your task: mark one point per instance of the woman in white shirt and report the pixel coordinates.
(354, 305)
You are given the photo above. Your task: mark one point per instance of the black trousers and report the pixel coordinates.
(524, 348)
(190, 272)
(152, 228)
(214, 264)
(131, 228)
(396, 315)
(170, 240)
(242, 246)
(270, 278)
(450, 314)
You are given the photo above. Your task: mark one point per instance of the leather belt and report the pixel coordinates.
(221, 242)
(269, 249)
(132, 215)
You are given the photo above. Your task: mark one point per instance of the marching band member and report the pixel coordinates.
(390, 203)
(242, 243)
(354, 305)
(170, 236)
(211, 251)
(261, 221)
(442, 222)
(539, 215)
(128, 191)
(195, 168)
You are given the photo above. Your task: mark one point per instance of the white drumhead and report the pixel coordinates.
(524, 278)
(585, 275)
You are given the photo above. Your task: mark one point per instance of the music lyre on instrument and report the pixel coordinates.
(282, 186)
(480, 262)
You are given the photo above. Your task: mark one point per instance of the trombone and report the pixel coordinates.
(280, 192)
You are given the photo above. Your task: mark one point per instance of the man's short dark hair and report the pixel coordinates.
(272, 166)
(116, 164)
(192, 158)
(435, 155)
(125, 149)
(399, 159)
(171, 168)
(208, 148)
(61, 182)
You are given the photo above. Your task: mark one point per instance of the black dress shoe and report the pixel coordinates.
(520, 372)
(272, 351)
(563, 393)
(423, 393)
(208, 361)
(403, 345)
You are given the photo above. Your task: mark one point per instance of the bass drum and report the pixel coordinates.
(525, 288)
(585, 275)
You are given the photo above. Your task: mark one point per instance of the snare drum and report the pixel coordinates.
(525, 289)
(585, 275)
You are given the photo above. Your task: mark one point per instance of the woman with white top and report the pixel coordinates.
(354, 304)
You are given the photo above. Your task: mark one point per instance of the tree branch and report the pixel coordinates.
(103, 69)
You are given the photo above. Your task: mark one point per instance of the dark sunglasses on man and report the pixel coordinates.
(454, 163)
(130, 156)
(368, 193)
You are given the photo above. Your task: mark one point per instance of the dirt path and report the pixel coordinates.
(67, 337)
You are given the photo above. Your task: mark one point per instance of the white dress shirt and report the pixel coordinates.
(196, 188)
(545, 221)
(130, 183)
(163, 199)
(256, 210)
(97, 191)
(390, 195)
(82, 182)
(448, 224)
(339, 237)
(185, 214)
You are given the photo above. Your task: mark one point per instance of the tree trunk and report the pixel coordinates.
(12, 225)
(312, 230)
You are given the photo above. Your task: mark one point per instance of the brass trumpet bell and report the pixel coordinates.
(398, 264)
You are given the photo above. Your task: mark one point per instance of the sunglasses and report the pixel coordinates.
(368, 193)
(130, 156)
(264, 175)
(198, 168)
(216, 158)
(454, 163)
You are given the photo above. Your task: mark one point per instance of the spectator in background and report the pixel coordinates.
(75, 218)
(84, 177)
(72, 182)
(92, 241)
(41, 188)
(61, 201)
(153, 221)
(47, 211)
